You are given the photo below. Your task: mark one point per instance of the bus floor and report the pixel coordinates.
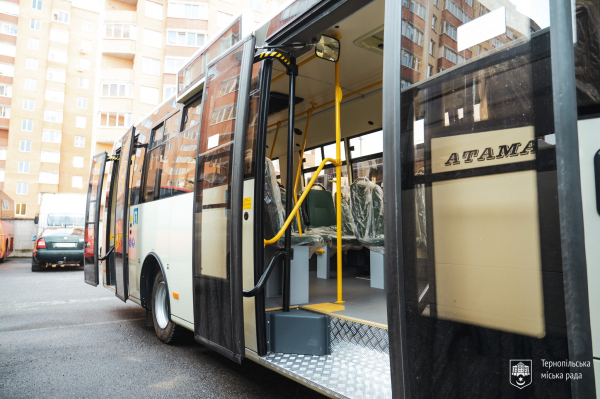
(362, 303)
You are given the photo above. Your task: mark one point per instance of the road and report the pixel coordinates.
(62, 338)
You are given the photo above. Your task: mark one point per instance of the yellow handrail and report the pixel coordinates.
(301, 199)
(338, 174)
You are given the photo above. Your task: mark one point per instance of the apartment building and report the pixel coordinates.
(52, 106)
(145, 43)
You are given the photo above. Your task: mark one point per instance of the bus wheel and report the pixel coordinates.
(167, 331)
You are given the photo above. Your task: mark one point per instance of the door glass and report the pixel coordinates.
(483, 271)
(92, 219)
(121, 219)
(212, 274)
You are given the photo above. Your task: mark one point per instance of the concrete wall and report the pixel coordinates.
(24, 229)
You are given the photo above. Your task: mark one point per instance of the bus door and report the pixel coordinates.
(121, 222)
(92, 218)
(218, 304)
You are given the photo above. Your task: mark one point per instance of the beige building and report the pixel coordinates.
(144, 44)
(52, 106)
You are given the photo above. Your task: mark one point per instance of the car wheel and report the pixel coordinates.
(35, 267)
(167, 331)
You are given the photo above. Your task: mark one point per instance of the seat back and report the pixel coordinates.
(367, 208)
(274, 209)
(347, 218)
(320, 208)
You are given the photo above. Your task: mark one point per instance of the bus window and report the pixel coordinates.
(151, 189)
(165, 169)
(252, 122)
(172, 126)
(184, 162)
(192, 114)
(366, 156)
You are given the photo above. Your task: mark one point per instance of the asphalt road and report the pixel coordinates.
(62, 338)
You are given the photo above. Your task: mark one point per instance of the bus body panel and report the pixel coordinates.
(248, 264)
(589, 145)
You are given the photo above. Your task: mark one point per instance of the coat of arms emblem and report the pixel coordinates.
(520, 373)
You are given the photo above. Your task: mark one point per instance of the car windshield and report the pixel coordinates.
(64, 219)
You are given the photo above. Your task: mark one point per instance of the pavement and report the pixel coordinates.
(62, 338)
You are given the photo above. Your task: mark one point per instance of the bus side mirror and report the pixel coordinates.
(36, 219)
(328, 48)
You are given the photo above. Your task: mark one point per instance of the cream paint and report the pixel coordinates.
(589, 144)
(214, 242)
(486, 234)
(248, 268)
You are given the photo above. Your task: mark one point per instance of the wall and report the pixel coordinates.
(24, 229)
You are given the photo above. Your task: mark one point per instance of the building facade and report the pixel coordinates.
(52, 106)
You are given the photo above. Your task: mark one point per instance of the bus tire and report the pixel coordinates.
(167, 331)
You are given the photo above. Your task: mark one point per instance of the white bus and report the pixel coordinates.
(249, 208)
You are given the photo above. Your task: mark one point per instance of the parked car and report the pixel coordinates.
(58, 246)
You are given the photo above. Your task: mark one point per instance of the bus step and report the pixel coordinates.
(358, 366)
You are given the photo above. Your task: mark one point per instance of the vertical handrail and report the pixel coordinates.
(300, 165)
(338, 174)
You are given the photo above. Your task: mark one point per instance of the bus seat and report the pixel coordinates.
(275, 213)
(367, 210)
(295, 220)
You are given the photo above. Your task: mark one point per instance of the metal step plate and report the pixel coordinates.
(358, 367)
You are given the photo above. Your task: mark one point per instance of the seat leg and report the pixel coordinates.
(323, 267)
(299, 276)
(377, 270)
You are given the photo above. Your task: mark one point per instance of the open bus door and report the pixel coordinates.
(121, 224)
(218, 301)
(92, 218)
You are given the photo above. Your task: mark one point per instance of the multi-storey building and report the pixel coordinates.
(145, 43)
(52, 106)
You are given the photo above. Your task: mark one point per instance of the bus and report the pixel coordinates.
(7, 226)
(408, 212)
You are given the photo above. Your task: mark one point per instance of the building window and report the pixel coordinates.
(4, 111)
(83, 83)
(9, 8)
(429, 70)
(450, 55)
(23, 167)
(229, 85)
(119, 31)
(154, 10)
(83, 64)
(7, 70)
(5, 90)
(79, 141)
(148, 95)
(188, 39)
(457, 12)
(33, 44)
(8, 29)
(59, 35)
(510, 34)
(36, 5)
(27, 125)
(173, 65)
(22, 188)
(51, 115)
(117, 90)
(431, 48)
(55, 75)
(256, 5)
(416, 7)
(8, 49)
(87, 26)
(21, 209)
(412, 33)
(30, 84)
(28, 105)
(404, 84)
(77, 181)
(25, 146)
(47, 177)
(469, 2)
(410, 61)
(50, 156)
(115, 119)
(57, 55)
(449, 30)
(436, 3)
(434, 23)
(169, 91)
(150, 66)
(35, 24)
(60, 16)
(223, 19)
(187, 10)
(82, 102)
(31, 64)
(497, 42)
(55, 95)
(77, 162)
(152, 38)
(223, 114)
(80, 121)
(51, 136)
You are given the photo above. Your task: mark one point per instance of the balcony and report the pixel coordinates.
(117, 74)
(122, 16)
(121, 48)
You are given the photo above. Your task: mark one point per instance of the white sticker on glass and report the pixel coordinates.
(213, 141)
(482, 29)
